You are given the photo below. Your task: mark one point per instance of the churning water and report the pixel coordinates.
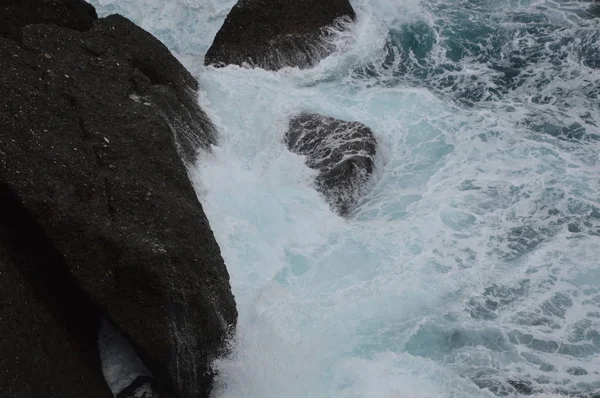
(472, 267)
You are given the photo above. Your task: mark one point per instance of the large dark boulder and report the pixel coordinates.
(272, 34)
(94, 122)
(74, 14)
(343, 153)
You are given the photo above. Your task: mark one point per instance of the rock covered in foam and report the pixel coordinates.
(343, 152)
(93, 124)
(272, 34)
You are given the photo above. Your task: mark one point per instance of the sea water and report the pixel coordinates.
(472, 268)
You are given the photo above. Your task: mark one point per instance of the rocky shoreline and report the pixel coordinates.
(111, 281)
(99, 218)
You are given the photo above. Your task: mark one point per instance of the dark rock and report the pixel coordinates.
(501, 388)
(522, 386)
(577, 371)
(92, 126)
(272, 34)
(48, 325)
(343, 152)
(127, 376)
(74, 14)
(142, 387)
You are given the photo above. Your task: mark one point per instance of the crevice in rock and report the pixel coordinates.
(51, 281)
(49, 277)
(73, 14)
(124, 371)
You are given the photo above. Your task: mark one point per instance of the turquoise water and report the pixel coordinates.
(472, 268)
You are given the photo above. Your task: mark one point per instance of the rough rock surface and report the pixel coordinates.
(343, 152)
(272, 34)
(47, 324)
(74, 14)
(94, 119)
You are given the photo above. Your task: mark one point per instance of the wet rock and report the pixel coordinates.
(47, 323)
(272, 34)
(343, 152)
(594, 10)
(577, 371)
(123, 370)
(142, 387)
(94, 121)
(74, 14)
(522, 386)
(503, 388)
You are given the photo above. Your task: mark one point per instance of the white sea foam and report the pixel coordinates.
(120, 363)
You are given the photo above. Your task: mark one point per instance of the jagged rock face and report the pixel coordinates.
(272, 34)
(343, 152)
(92, 126)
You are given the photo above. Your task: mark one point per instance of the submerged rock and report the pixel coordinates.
(94, 120)
(272, 34)
(343, 152)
